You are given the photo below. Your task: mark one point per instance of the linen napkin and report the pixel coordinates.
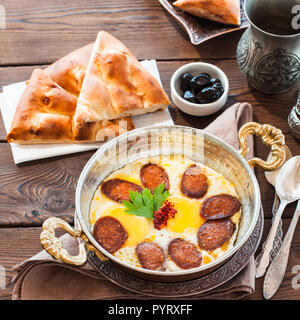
(9, 99)
(42, 277)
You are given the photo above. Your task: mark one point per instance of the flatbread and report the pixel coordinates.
(224, 11)
(44, 112)
(115, 85)
(69, 71)
(45, 115)
(49, 110)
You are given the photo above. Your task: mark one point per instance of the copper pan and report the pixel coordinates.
(168, 140)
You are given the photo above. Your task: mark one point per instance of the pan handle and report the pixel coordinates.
(270, 136)
(55, 247)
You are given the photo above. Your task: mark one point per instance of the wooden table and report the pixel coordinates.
(39, 32)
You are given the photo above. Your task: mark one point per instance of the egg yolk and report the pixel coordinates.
(206, 259)
(225, 246)
(137, 228)
(128, 178)
(187, 216)
(93, 217)
(236, 217)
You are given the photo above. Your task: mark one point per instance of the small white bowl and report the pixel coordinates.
(196, 109)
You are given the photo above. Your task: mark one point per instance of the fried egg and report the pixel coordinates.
(186, 222)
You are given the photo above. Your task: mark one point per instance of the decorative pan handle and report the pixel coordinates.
(55, 247)
(270, 136)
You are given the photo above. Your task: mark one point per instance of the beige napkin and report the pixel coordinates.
(42, 277)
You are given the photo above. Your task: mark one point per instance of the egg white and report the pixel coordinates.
(185, 225)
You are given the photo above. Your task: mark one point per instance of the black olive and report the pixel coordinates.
(184, 81)
(206, 74)
(214, 81)
(219, 87)
(208, 95)
(199, 82)
(189, 96)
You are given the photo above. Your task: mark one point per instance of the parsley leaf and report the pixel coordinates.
(159, 196)
(145, 204)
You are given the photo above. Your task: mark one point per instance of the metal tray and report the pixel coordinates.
(198, 29)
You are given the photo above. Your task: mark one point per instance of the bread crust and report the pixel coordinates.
(45, 115)
(69, 71)
(44, 112)
(116, 85)
(85, 96)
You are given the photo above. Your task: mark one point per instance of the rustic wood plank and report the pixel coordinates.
(19, 244)
(16, 245)
(32, 192)
(266, 109)
(41, 32)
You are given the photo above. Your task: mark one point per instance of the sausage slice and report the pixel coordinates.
(152, 175)
(151, 255)
(110, 233)
(213, 234)
(194, 183)
(184, 254)
(118, 189)
(219, 207)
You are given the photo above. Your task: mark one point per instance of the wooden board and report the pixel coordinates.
(40, 32)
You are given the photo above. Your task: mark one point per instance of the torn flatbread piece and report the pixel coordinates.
(44, 113)
(69, 71)
(115, 85)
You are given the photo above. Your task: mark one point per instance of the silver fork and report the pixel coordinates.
(271, 178)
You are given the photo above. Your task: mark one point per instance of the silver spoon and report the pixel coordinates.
(288, 189)
(272, 175)
(276, 271)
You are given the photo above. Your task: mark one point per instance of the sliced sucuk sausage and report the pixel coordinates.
(118, 189)
(213, 234)
(110, 233)
(219, 207)
(184, 254)
(152, 175)
(194, 183)
(151, 255)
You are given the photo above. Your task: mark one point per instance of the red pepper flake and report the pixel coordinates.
(163, 214)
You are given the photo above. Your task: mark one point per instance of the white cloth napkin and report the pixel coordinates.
(21, 153)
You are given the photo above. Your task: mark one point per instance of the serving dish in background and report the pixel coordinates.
(197, 109)
(198, 29)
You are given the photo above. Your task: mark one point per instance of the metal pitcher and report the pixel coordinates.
(269, 50)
